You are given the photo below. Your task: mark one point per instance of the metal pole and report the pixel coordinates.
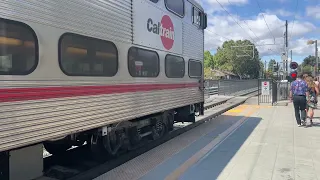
(286, 50)
(265, 69)
(291, 61)
(278, 71)
(316, 72)
(286, 33)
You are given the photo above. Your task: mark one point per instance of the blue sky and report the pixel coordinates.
(250, 17)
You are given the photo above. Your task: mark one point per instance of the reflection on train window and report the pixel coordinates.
(143, 63)
(175, 66)
(155, 1)
(195, 68)
(84, 56)
(18, 48)
(175, 6)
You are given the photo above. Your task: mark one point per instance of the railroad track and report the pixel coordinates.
(78, 164)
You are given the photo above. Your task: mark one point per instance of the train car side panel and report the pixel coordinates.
(156, 28)
(103, 19)
(33, 121)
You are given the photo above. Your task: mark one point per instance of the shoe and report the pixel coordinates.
(303, 122)
(299, 125)
(311, 123)
(307, 121)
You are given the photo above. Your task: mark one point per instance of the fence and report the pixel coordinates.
(271, 91)
(228, 87)
(282, 90)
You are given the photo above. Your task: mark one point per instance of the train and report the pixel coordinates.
(105, 72)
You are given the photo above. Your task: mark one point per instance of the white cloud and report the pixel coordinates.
(212, 6)
(235, 2)
(226, 27)
(300, 46)
(313, 11)
(281, 12)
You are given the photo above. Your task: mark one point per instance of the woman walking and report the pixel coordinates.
(312, 98)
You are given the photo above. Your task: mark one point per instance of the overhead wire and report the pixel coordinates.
(232, 39)
(217, 34)
(294, 18)
(265, 19)
(224, 37)
(235, 20)
(246, 24)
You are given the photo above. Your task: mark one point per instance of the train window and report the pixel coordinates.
(18, 48)
(199, 18)
(195, 68)
(84, 56)
(143, 63)
(175, 66)
(155, 1)
(175, 6)
(196, 17)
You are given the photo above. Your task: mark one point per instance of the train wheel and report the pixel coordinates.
(56, 148)
(112, 143)
(159, 129)
(169, 119)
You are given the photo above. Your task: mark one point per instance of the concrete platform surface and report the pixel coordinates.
(274, 148)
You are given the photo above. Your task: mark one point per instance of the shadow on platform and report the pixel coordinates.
(214, 162)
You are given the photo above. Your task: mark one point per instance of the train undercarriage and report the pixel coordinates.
(112, 139)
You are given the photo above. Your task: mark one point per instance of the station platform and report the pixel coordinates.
(248, 142)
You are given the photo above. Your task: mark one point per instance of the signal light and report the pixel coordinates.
(293, 65)
(292, 77)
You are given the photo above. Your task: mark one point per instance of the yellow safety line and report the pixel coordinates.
(196, 157)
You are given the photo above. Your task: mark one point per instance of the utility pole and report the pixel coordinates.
(286, 49)
(316, 44)
(265, 69)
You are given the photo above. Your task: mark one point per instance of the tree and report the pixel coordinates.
(226, 59)
(307, 69)
(208, 60)
(270, 64)
(262, 69)
(309, 60)
(207, 73)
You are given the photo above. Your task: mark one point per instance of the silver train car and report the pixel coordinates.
(104, 72)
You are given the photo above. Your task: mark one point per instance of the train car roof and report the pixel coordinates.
(195, 3)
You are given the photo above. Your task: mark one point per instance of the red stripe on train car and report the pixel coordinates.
(23, 94)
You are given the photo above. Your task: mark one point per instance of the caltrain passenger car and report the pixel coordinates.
(102, 71)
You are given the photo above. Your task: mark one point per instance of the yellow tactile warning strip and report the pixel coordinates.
(236, 110)
(242, 108)
(196, 157)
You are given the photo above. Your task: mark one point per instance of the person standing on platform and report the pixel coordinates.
(298, 93)
(312, 98)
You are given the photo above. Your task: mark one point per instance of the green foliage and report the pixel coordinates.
(307, 66)
(269, 74)
(226, 59)
(308, 69)
(270, 65)
(207, 73)
(208, 60)
(309, 60)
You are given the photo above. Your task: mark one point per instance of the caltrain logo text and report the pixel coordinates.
(164, 29)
